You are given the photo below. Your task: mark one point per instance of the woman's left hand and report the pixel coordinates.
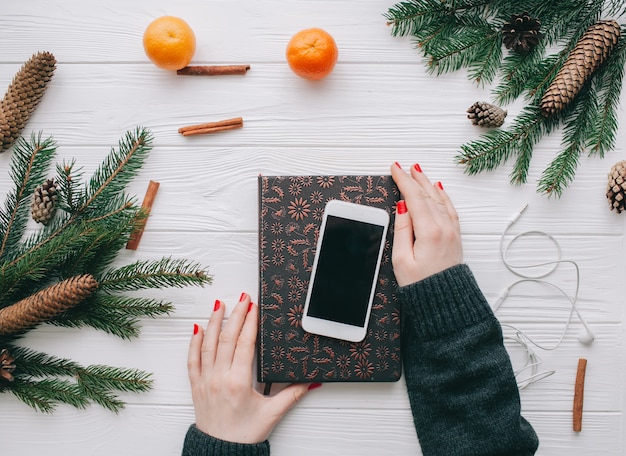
(220, 365)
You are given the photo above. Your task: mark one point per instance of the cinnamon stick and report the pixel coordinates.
(213, 70)
(146, 205)
(211, 127)
(579, 393)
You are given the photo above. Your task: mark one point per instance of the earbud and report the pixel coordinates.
(586, 338)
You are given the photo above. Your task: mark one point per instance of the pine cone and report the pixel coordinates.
(591, 50)
(46, 304)
(521, 33)
(7, 365)
(43, 204)
(616, 189)
(486, 115)
(23, 96)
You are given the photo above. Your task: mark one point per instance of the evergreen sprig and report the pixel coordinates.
(43, 382)
(94, 220)
(457, 34)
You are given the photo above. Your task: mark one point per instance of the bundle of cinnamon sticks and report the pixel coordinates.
(211, 127)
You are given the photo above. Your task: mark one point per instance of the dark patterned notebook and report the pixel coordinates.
(290, 214)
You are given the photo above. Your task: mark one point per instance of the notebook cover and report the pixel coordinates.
(290, 215)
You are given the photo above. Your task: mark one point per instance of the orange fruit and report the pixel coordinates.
(312, 53)
(169, 42)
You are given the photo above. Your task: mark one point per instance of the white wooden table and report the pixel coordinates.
(378, 106)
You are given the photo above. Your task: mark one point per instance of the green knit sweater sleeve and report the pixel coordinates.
(459, 377)
(197, 443)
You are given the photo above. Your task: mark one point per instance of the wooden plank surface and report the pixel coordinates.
(377, 107)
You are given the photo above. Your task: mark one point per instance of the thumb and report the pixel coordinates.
(282, 402)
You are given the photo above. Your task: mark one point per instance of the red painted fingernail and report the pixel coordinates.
(398, 165)
(401, 207)
(196, 328)
(417, 167)
(242, 297)
(250, 306)
(217, 305)
(312, 386)
(440, 185)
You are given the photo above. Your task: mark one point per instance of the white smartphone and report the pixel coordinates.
(345, 270)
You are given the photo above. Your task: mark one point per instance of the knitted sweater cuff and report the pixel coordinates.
(444, 303)
(197, 443)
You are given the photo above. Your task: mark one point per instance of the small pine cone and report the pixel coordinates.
(7, 365)
(23, 96)
(486, 115)
(591, 50)
(616, 189)
(521, 33)
(43, 204)
(46, 304)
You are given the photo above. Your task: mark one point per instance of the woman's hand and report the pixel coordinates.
(427, 236)
(220, 362)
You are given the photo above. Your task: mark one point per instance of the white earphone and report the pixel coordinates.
(586, 336)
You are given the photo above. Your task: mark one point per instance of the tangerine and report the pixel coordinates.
(169, 42)
(312, 53)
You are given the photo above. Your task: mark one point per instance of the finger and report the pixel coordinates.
(450, 209)
(194, 356)
(229, 335)
(417, 199)
(436, 203)
(246, 344)
(282, 402)
(212, 334)
(423, 181)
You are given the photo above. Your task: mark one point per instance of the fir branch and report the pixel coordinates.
(45, 395)
(410, 17)
(110, 179)
(465, 46)
(39, 365)
(19, 276)
(566, 20)
(42, 262)
(562, 169)
(97, 382)
(517, 70)
(497, 146)
(140, 307)
(28, 167)
(117, 170)
(115, 315)
(69, 180)
(166, 272)
(609, 77)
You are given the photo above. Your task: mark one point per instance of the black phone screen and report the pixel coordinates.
(345, 271)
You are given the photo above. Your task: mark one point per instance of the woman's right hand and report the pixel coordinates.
(427, 236)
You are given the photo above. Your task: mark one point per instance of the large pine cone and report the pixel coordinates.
(46, 304)
(521, 33)
(616, 189)
(23, 96)
(591, 50)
